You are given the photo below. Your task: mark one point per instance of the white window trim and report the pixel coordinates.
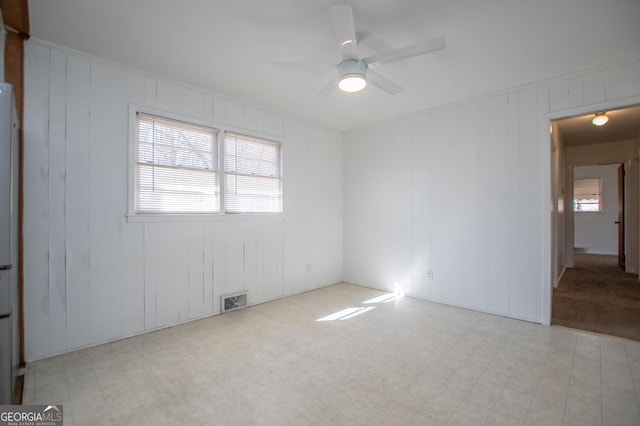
(135, 217)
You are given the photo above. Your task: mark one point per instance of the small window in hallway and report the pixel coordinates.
(587, 195)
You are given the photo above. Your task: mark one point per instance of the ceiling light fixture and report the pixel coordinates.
(600, 119)
(352, 75)
(352, 83)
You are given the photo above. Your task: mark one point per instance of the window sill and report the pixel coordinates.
(213, 217)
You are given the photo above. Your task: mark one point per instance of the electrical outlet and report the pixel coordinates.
(430, 274)
(308, 267)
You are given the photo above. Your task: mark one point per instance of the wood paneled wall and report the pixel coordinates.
(90, 275)
(464, 191)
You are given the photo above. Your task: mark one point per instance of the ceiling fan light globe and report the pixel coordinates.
(352, 83)
(600, 119)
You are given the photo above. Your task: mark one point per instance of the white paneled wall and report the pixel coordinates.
(559, 206)
(91, 276)
(465, 191)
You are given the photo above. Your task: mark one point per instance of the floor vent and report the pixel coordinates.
(231, 302)
(580, 249)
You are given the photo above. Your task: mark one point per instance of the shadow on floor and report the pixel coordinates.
(595, 295)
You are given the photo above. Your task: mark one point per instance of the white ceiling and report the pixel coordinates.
(222, 45)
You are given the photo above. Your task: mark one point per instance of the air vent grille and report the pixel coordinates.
(232, 302)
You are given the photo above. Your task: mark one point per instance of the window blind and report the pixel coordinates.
(586, 195)
(253, 181)
(176, 168)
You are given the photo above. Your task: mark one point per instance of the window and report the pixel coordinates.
(253, 181)
(587, 195)
(176, 168)
(181, 169)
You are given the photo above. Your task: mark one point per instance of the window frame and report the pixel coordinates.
(134, 216)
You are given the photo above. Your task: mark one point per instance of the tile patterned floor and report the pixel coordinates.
(402, 362)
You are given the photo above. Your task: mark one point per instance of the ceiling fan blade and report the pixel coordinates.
(372, 42)
(344, 30)
(383, 83)
(419, 48)
(328, 89)
(298, 65)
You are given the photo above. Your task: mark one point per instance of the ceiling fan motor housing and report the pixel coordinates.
(352, 67)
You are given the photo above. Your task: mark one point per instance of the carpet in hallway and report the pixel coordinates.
(595, 295)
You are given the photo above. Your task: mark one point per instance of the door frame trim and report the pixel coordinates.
(547, 152)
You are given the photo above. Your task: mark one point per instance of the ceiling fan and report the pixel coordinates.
(354, 73)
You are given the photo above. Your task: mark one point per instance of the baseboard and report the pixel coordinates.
(560, 276)
(601, 253)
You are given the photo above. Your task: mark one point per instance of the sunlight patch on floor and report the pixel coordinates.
(353, 312)
(346, 314)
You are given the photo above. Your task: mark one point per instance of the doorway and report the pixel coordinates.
(595, 250)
